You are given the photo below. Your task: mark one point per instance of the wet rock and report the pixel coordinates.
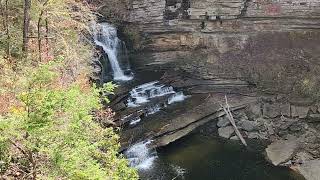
(302, 101)
(282, 150)
(223, 121)
(270, 130)
(310, 170)
(235, 138)
(253, 111)
(253, 135)
(226, 132)
(271, 110)
(318, 106)
(119, 106)
(314, 118)
(297, 127)
(170, 129)
(314, 109)
(285, 110)
(285, 123)
(302, 157)
(299, 111)
(248, 125)
(241, 116)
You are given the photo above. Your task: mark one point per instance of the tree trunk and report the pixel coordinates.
(5, 17)
(46, 36)
(26, 21)
(7, 30)
(39, 29)
(39, 34)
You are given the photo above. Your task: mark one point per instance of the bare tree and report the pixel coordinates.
(5, 18)
(26, 22)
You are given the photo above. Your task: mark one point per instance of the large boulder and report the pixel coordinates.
(310, 170)
(271, 110)
(226, 132)
(248, 125)
(282, 150)
(223, 121)
(253, 111)
(299, 111)
(314, 118)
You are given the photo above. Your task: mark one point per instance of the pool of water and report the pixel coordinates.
(207, 157)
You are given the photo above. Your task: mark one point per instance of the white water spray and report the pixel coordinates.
(140, 156)
(143, 93)
(106, 36)
(177, 97)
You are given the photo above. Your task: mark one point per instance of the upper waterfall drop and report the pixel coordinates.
(105, 35)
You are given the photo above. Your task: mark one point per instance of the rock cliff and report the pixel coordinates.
(271, 43)
(182, 24)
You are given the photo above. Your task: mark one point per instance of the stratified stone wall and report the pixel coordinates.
(216, 9)
(207, 22)
(147, 11)
(284, 8)
(251, 39)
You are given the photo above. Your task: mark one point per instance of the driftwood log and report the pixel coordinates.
(227, 110)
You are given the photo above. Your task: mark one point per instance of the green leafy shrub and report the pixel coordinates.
(54, 128)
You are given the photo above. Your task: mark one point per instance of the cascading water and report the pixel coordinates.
(177, 97)
(148, 92)
(135, 120)
(105, 36)
(153, 109)
(143, 93)
(141, 156)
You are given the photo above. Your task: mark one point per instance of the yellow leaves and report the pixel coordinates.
(17, 111)
(7, 100)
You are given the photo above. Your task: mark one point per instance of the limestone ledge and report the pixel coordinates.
(170, 24)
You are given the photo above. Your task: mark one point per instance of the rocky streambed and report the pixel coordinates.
(289, 126)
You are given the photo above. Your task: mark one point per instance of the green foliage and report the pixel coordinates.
(56, 125)
(48, 128)
(4, 154)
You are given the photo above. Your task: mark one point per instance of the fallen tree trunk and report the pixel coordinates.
(231, 119)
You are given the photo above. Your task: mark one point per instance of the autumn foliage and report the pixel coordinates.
(48, 128)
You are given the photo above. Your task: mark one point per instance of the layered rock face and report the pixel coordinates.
(198, 23)
(268, 41)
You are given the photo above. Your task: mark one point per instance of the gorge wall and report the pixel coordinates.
(222, 24)
(266, 41)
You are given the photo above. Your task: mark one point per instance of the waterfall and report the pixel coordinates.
(143, 93)
(153, 109)
(141, 156)
(106, 37)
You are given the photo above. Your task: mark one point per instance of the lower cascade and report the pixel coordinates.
(145, 92)
(146, 95)
(141, 156)
(106, 37)
(177, 97)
